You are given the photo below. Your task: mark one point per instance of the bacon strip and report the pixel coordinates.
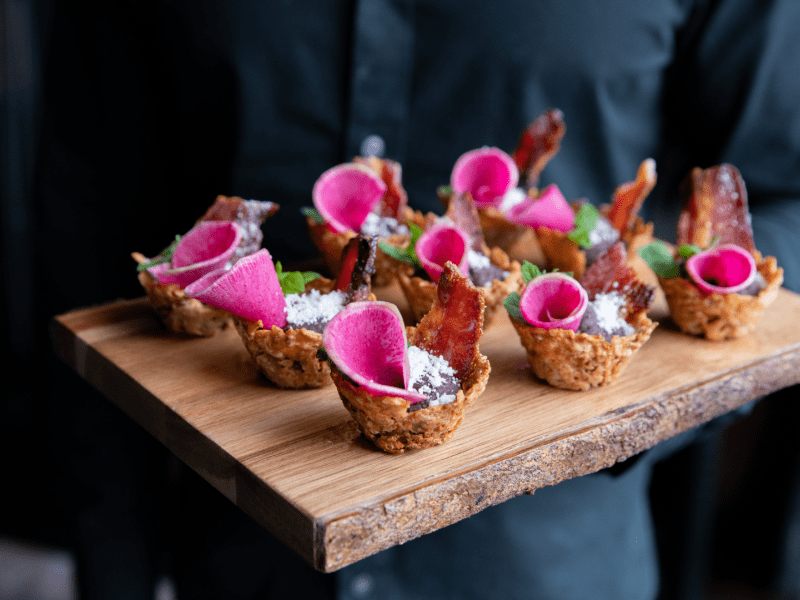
(461, 210)
(454, 324)
(358, 266)
(629, 197)
(538, 144)
(611, 273)
(395, 200)
(715, 206)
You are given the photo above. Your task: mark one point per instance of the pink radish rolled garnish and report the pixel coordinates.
(554, 301)
(249, 289)
(726, 269)
(205, 248)
(441, 243)
(549, 210)
(367, 342)
(486, 173)
(345, 194)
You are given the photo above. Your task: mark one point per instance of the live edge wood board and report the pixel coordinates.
(294, 461)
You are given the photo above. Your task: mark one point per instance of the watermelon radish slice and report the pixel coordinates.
(554, 301)
(441, 243)
(367, 342)
(549, 210)
(726, 269)
(205, 248)
(345, 194)
(249, 289)
(486, 173)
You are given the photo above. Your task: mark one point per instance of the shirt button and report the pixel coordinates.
(361, 585)
(373, 145)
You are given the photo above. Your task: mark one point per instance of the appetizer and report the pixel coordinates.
(364, 196)
(409, 387)
(280, 315)
(579, 335)
(716, 283)
(228, 231)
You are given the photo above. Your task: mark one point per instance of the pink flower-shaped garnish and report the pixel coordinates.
(549, 210)
(554, 301)
(441, 243)
(725, 269)
(345, 194)
(367, 342)
(486, 173)
(207, 247)
(249, 289)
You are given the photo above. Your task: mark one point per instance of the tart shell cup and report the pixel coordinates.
(387, 423)
(721, 316)
(288, 358)
(579, 361)
(421, 293)
(181, 314)
(331, 244)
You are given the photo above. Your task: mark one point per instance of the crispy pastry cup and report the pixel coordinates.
(421, 293)
(387, 422)
(579, 361)
(179, 312)
(721, 316)
(288, 358)
(331, 244)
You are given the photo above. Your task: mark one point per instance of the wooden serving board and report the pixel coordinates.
(295, 462)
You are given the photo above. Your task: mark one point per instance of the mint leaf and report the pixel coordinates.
(407, 254)
(512, 306)
(293, 282)
(688, 250)
(659, 258)
(313, 214)
(529, 271)
(445, 190)
(164, 256)
(585, 222)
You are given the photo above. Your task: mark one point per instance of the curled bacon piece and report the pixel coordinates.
(395, 199)
(629, 197)
(611, 273)
(715, 206)
(358, 266)
(454, 325)
(538, 144)
(248, 214)
(461, 210)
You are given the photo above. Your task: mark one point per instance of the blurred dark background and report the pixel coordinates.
(727, 505)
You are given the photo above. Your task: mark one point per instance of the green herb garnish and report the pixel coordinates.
(512, 306)
(164, 256)
(585, 222)
(407, 254)
(660, 259)
(313, 214)
(293, 282)
(444, 191)
(530, 271)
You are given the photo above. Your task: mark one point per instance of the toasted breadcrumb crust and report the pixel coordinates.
(579, 361)
(288, 358)
(387, 423)
(181, 314)
(421, 293)
(721, 316)
(331, 244)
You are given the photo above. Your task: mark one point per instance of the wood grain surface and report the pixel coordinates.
(295, 462)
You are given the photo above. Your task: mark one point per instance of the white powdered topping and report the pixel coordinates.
(431, 368)
(477, 260)
(313, 306)
(380, 226)
(607, 308)
(511, 198)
